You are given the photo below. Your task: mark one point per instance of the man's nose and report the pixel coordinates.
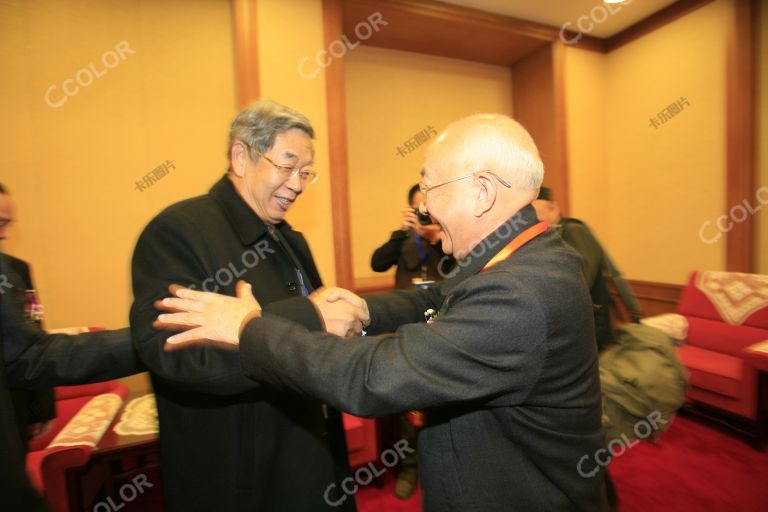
(294, 183)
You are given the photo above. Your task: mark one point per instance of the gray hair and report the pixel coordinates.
(498, 143)
(258, 124)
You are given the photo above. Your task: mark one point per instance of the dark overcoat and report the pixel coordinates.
(227, 443)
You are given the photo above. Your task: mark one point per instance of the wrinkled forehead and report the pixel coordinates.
(293, 144)
(440, 159)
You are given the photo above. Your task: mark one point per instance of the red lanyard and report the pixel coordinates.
(519, 241)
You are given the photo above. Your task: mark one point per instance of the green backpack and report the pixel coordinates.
(643, 383)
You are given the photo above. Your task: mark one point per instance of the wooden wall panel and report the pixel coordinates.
(741, 108)
(654, 298)
(538, 98)
(337, 146)
(246, 51)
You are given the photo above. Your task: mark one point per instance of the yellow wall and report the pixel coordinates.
(391, 96)
(586, 128)
(289, 30)
(72, 169)
(761, 225)
(659, 185)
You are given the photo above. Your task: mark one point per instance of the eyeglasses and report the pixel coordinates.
(424, 188)
(307, 176)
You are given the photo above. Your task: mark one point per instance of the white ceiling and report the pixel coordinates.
(558, 12)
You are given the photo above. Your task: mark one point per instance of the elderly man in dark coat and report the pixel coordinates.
(505, 365)
(227, 443)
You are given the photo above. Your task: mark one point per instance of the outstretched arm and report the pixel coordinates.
(487, 344)
(34, 358)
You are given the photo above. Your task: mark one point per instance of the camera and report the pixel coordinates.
(424, 218)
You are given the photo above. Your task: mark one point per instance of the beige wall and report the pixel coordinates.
(391, 96)
(655, 186)
(586, 127)
(761, 226)
(72, 169)
(289, 30)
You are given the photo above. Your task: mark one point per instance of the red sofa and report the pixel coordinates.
(47, 465)
(726, 312)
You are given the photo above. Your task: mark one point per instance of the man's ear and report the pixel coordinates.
(486, 195)
(238, 158)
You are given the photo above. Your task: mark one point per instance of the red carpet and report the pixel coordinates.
(371, 499)
(694, 467)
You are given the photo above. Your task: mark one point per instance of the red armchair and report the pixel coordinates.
(67, 445)
(726, 312)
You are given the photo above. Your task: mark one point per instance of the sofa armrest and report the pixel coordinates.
(757, 355)
(72, 447)
(672, 324)
(47, 469)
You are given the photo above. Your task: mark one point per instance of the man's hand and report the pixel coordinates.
(410, 222)
(205, 315)
(343, 313)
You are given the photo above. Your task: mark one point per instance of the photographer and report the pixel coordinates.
(414, 248)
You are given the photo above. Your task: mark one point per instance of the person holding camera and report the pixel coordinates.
(414, 248)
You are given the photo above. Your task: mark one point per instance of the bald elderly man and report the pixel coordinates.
(504, 365)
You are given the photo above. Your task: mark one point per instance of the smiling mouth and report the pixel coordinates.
(284, 202)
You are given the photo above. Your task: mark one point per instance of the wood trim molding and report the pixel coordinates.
(440, 11)
(246, 51)
(374, 284)
(436, 28)
(335, 96)
(654, 298)
(741, 108)
(561, 123)
(653, 22)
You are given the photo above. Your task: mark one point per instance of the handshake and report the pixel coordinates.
(343, 312)
(210, 317)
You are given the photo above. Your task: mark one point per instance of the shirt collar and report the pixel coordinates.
(489, 247)
(248, 226)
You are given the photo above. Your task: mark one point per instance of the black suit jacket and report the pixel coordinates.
(409, 254)
(30, 405)
(29, 357)
(507, 374)
(228, 444)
